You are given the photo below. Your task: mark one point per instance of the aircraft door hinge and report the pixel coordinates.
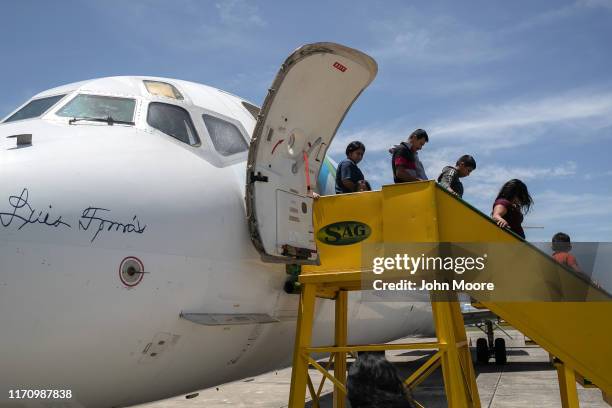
(257, 177)
(296, 252)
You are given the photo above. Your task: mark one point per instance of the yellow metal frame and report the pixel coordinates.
(567, 386)
(421, 213)
(452, 354)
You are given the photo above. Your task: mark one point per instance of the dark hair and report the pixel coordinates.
(467, 160)
(561, 242)
(354, 145)
(373, 382)
(515, 188)
(419, 134)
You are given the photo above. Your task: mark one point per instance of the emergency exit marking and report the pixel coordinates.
(339, 67)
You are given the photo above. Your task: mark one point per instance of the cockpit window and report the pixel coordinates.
(226, 136)
(173, 121)
(99, 107)
(34, 108)
(163, 89)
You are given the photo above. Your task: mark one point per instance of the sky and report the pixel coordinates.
(525, 87)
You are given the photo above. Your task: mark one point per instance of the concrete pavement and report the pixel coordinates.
(528, 380)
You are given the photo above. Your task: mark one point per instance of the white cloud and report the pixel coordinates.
(251, 83)
(607, 4)
(500, 174)
(443, 87)
(572, 106)
(494, 127)
(377, 172)
(233, 28)
(542, 19)
(195, 26)
(240, 13)
(539, 21)
(443, 40)
(380, 138)
(484, 183)
(555, 209)
(597, 176)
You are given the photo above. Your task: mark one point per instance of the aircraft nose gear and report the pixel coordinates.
(131, 271)
(487, 347)
(292, 285)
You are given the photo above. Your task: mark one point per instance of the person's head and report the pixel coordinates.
(374, 382)
(417, 139)
(561, 242)
(516, 192)
(355, 151)
(465, 165)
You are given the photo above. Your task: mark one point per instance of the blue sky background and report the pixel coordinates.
(525, 87)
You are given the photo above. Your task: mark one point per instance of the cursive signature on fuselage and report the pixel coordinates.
(23, 213)
(91, 218)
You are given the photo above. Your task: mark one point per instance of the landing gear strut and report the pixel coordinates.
(292, 285)
(485, 348)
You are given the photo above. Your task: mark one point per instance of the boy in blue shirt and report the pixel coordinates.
(349, 177)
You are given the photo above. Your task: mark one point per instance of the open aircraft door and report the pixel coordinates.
(313, 90)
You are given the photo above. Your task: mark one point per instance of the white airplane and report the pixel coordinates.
(131, 267)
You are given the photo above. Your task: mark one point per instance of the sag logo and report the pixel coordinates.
(344, 233)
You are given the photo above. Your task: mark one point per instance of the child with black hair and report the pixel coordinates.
(373, 382)
(349, 178)
(561, 246)
(449, 178)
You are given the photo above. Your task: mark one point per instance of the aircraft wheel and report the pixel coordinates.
(500, 351)
(482, 351)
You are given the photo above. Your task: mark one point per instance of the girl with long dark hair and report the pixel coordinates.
(510, 206)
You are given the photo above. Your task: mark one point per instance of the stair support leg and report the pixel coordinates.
(457, 368)
(567, 386)
(341, 334)
(303, 338)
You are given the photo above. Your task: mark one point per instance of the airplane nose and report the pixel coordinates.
(91, 220)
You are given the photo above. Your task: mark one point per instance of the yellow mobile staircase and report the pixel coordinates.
(579, 334)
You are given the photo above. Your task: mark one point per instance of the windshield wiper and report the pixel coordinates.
(108, 120)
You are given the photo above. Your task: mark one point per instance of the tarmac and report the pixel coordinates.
(527, 380)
